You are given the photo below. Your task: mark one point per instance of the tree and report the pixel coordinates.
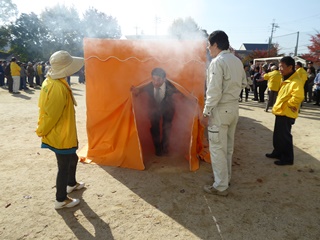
(265, 53)
(8, 11)
(99, 25)
(186, 29)
(4, 36)
(314, 49)
(64, 29)
(28, 37)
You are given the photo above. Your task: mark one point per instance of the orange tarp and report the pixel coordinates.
(117, 124)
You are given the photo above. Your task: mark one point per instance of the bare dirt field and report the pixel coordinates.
(165, 201)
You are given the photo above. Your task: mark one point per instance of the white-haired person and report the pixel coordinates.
(57, 124)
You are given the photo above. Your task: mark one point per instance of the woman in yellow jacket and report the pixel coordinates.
(286, 108)
(57, 124)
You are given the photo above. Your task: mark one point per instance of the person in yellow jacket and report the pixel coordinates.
(303, 75)
(57, 124)
(286, 108)
(40, 72)
(15, 73)
(301, 72)
(274, 80)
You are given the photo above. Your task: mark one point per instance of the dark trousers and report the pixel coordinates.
(262, 88)
(272, 97)
(1, 80)
(38, 80)
(23, 83)
(246, 91)
(161, 140)
(255, 90)
(67, 166)
(30, 80)
(282, 139)
(10, 83)
(317, 93)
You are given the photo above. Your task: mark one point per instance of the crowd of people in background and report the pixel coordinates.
(266, 76)
(17, 76)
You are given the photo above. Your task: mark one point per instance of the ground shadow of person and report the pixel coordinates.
(72, 219)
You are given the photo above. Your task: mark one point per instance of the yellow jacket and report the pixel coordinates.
(39, 69)
(274, 80)
(302, 74)
(57, 122)
(291, 94)
(15, 69)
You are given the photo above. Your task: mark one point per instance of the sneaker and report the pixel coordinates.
(212, 190)
(68, 203)
(75, 187)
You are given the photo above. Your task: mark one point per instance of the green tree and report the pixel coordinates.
(4, 36)
(99, 25)
(64, 29)
(186, 29)
(8, 11)
(28, 37)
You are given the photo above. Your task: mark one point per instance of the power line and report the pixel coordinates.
(286, 35)
(301, 19)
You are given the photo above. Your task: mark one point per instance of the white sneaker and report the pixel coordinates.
(68, 203)
(75, 187)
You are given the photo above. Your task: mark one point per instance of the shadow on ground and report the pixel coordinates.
(265, 201)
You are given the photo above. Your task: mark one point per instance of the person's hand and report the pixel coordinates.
(135, 91)
(293, 109)
(204, 121)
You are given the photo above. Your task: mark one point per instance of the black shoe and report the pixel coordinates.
(165, 152)
(158, 153)
(271, 155)
(282, 163)
(254, 99)
(316, 104)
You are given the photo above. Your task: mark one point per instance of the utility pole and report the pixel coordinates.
(273, 29)
(156, 21)
(296, 48)
(136, 27)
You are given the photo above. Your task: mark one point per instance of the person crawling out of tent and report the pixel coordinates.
(160, 107)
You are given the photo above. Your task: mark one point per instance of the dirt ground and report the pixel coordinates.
(165, 201)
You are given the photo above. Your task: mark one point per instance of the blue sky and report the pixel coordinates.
(244, 21)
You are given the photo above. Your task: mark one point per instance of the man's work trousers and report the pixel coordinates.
(221, 130)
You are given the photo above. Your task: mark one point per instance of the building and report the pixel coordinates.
(248, 48)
